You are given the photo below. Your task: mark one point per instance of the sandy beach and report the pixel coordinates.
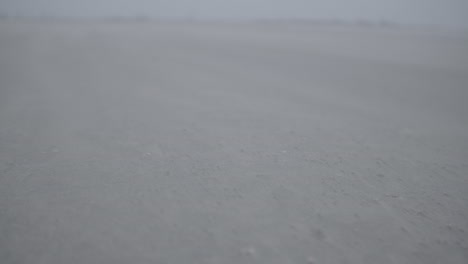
(171, 142)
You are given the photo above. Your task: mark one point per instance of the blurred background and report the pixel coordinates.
(452, 13)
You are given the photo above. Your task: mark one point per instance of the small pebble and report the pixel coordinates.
(311, 260)
(250, 251)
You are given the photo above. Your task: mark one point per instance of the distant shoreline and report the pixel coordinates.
(359, 23)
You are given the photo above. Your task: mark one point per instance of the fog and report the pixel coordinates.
(433, 12)
(166, 131)
(229, 143)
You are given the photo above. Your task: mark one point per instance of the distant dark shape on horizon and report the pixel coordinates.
(452, 13)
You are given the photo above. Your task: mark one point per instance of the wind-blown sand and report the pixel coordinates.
(232, 143)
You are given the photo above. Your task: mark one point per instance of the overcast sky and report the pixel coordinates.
(441, 12)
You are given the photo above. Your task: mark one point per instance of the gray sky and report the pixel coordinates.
(441, 12)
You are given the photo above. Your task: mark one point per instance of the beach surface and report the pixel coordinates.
(177, 142)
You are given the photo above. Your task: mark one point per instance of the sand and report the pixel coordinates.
(232, 143)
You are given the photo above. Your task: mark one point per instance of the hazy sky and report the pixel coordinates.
(442, 12)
